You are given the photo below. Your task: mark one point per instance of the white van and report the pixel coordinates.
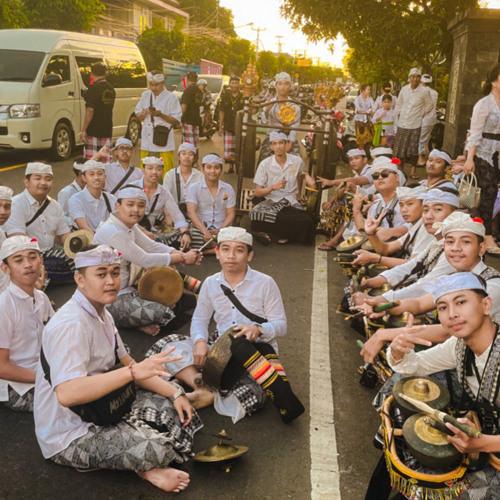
(43, 75)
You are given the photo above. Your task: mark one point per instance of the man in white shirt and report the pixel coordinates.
(260, 296)
(279, 180)
(6, 194)
(428, 120)
(38, 216)
(25, 312)
(92, 205)
(414, 102)
(158, 107)
(121, 232)
(436, 167)
(75, 187)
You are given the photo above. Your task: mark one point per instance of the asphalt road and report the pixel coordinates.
(278, 464)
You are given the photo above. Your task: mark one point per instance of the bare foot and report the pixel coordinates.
(168, 479)
(152, 330)
(200, 398)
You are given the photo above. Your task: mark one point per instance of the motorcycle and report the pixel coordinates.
(437, 134)
(208, 125)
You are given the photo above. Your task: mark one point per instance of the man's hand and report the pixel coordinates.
(83, 135)
(193, 257)
(184, 410)
(406, 342)
(375, 282)
(251, 332)
(357, 201)
(185, 240)
(372, 224)
(372, 347)
(325, 182)
(279, 185)
(465, 444)
(200, 352)
(154, 365)
(365, 257)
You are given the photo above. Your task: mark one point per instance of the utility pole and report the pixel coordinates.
(258, 30)
(279, 42)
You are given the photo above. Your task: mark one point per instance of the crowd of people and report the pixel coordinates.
(93, 403)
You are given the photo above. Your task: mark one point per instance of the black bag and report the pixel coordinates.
(160, 132)
(107, 410)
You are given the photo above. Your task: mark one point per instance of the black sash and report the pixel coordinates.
(123, 180)
(243, 310)
(106, 200)
(389, 214)
(40, 211)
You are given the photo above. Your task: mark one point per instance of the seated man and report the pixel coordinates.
(121, 231)
(409, 245)
(464, 249)
(25, 311)
(92, 205)
(181, 178)
(436, 167)
(120, 172)
(211, 203)
(464, 310)
(162, 208)
(38, 216)
(6, 194)
(429, 264)
(160, 424)
(279, 180)
(255, 291)
(75, 187)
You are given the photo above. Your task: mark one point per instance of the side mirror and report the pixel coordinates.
(52, 80)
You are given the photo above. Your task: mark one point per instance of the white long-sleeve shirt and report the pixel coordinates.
(134, 246)
(258, 292)
(412, 105)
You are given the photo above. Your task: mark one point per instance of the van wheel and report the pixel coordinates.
(62, 142)
(134, 130)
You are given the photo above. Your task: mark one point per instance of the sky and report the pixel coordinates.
(265, 14)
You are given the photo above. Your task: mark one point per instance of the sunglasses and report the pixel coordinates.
(384, 175)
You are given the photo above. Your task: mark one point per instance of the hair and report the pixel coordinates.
(98, 69)
(156, 72)
(490, 78)
(234, 78)
(192, 76)
(363, 87)
(387, 97)
(386, 85)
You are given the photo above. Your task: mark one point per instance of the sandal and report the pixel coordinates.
(263, 238)
(283, 241)
(495, 251)
(325, 247)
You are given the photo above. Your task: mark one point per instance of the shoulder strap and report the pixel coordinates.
(45, 367)
(243, 310)
(489, 274)
(151, 105)
(106, 200)
(178, 185)
(155, 201)
(123, 180)
(40, 211)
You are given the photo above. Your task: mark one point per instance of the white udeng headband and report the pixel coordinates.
(157, 78)
(440, 154)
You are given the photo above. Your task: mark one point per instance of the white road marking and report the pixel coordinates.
(325, 474)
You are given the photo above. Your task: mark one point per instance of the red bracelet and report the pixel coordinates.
(130, 367)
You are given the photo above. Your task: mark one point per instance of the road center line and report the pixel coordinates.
(325, 475)
(13, 167)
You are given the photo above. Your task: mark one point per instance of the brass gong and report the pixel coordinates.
(400, 320)
(352, 243)
(161, 284)
(367, 246)
(376, 269)
(221, 451)
(375, 292)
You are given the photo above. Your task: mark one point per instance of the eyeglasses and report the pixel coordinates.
(384, 175)
(124, 149)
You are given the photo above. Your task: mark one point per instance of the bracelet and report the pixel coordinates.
(380, 260)
(369, 234)
(131, 368)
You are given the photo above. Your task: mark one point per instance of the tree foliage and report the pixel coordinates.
(74, 15)
(12, 15)
(387, 37)
(207, 13)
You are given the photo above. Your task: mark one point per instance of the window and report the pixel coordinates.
(19, 65)
(60, 66)
(84, 65)
(126, 74)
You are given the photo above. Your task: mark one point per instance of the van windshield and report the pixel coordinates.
(19, 65)
(214, 83)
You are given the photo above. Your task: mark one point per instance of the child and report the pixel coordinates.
(385, 121)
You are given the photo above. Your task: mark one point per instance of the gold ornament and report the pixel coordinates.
(249, 80)
(287, 114)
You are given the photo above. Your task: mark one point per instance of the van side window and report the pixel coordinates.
(126, 74)
(84, 65)
(60, 66)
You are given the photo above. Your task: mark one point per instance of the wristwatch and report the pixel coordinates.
(178, 393)
(261, 330)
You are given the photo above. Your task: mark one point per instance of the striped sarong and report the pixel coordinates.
(93, 145)
(191, 134)
(268, 210)
(406, 142)
(229, 146)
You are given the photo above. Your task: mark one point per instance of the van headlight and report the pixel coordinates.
(24, 111)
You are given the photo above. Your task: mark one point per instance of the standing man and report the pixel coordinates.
(414, 102)
(428, 120)
(158, 107)
(231, 102)
(190, 104)
(97, 128)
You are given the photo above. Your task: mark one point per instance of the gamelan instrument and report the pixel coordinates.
(161, 284)
(312, 196)
(367, 246)
(375, 292)
(422, 463)
(350, 244)
(378, 308)
(375, 269)
(221, 451)
(345, 258)
(77, 242)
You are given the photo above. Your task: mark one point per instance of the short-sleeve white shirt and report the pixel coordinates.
(115, 173)
(89, 349)
(170, 184)
(48, 225)
(4, 278)
(95, 210)
(212, 212)
(64, 196)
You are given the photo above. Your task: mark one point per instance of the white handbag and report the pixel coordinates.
(469, 194)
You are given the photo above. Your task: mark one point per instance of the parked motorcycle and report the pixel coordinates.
(437, 134)
(208, 125)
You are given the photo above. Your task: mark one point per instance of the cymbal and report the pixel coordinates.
(352, 243)
(401, 319)
(367, 246)
(435, 394)
(376, 269)
(77, 241)
(221, 451)
(428, 444)
(375, 292)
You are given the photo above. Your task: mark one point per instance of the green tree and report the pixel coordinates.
(207, 13)
(267, 63)
(201, 47)
(387, 37)
(239, 53)
(74, 15)
(156, 43)
(12, 15)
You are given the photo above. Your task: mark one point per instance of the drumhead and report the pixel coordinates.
(161, 284)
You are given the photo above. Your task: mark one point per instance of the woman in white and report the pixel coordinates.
(363, 104)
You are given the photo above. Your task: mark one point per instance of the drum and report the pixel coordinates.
(77, 241)
(449, 482)
(311, 199)
(161, 284)
(221, 370)
(350, 244)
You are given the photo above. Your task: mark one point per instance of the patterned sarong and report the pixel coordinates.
(17, 402)
(60, 268)
(406, 142)
(191, 134)
(229, 146)
(173, 239)
(148, 437)
(93, 145)
(268, 210)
